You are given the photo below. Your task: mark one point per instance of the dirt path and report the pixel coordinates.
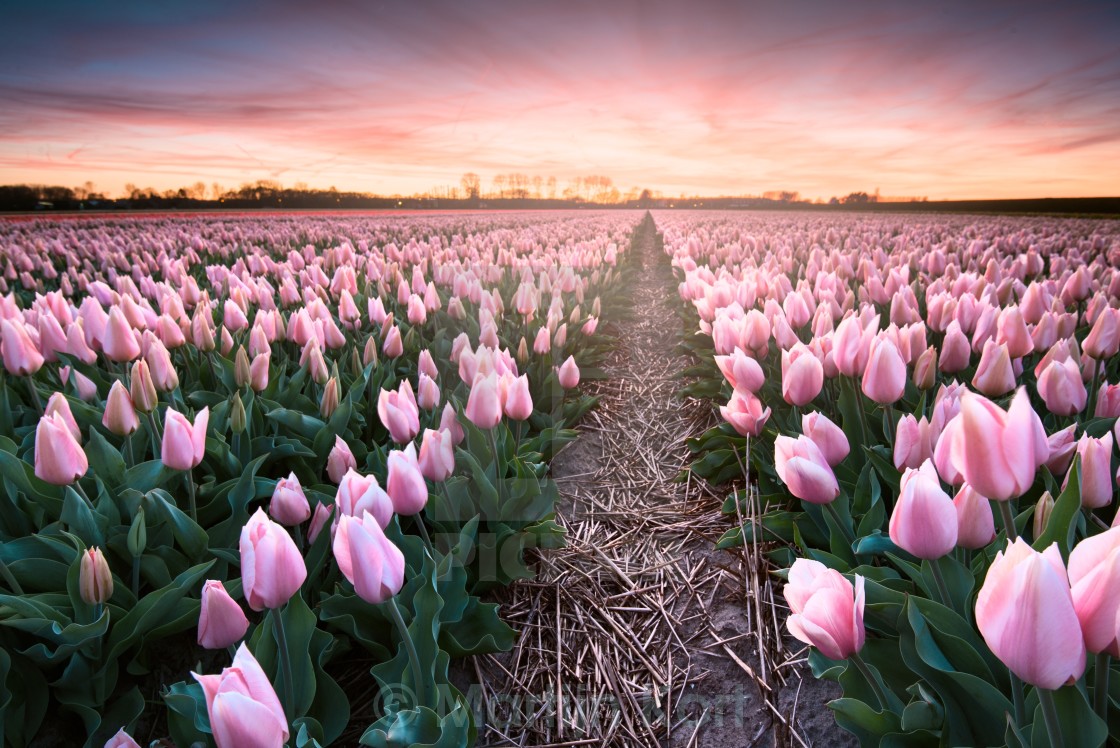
(638, 633)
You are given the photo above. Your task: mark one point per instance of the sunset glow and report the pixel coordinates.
(944, 101)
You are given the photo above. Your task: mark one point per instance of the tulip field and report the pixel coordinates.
(265, 479)
(918, 421)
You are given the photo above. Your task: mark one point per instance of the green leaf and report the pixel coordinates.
(105, 460)
(1080, 727)
(1063, 519)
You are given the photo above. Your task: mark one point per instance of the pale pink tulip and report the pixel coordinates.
(826, 611)
(272, 569)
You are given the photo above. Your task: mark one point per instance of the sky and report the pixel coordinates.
(941, 99)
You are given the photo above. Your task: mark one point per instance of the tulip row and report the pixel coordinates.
(936, 383)
(352, 454)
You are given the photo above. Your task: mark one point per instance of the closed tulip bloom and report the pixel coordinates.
(95, 581)
(1062, 389)
(340, 460)
(142, 388)
(1094, 577)
(59, 405)
(913, 444)
(243, 707)
(119, 341)
(802, 375)
(484, 406)
(1096, 470)
(517, 403)
(826, 610)
(1012, 331)
(21, 356)
(163, 374)
(449, 421)
(359, 493)
(745, 413)
(997, 451)
(368, 559)
(955, 351)
(943, 453)
(568, 375)
(289, 505)
(399, 412)
(995, 375)
(319, 520)
(184, 443)
(393, 346)
(59, 458)
(1108, 401)
(120, 417)
(87, 390)
(258, 371)
(1103, 340)
(741, 371)
(427, 393)
(803, 468)
(828, 437)
(121, 740)
(272, 568)
(437, 455)
(1061, 446)
(405, 483)
(924, 521)
(1026, 615)
(925, 369)
(221, 622)
(976, 525)
(542, 343)
(884, 379)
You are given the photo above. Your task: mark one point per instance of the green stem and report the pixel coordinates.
(499, 474)
(942, 588)
(847, 531)
(35, 399)
(413, 657)
(128, 449)
(1050, 717)
(136, 576)
(1100, 685)
(82, 491)
(156, 445)
(423, 530)
(1017, 698)
(287, 696)
(871, 679)
(191, 496)
(1092, 405)
(1008, 519)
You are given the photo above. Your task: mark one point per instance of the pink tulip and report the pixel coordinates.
(340, 460)
(484, 405)
(59, 458)
(568, 375)
(976, 525)
(1108, 401)
(221, 622)
(741, 371)
(1094, 576)
(912, 442)
(393, 346)
(59, 405)
(87, 390)
(745, 413)
(1103, 340)
(994, 374)
(828, 437)
(184, 443)
(399, 412)
(513, 391)
(847, 348)
(997, 451)
(95, 581)
(1026, 615)
(1012, 331)
(925, 369)
(542, 344)
(1096, 470)
(119, 342)
(141, 387)
(120, 417)
(924, 521)
(272, 568)
(368, 559)
(955, 351)
(803, 468)
(427, 393)
(319, 520)
(289, 505)
(359, 493)
(884, 379)
(243, 707)
(449, 422)
(21, 356)
(437, 455)
(1061, 388)
(802, 375)
(121, 740)
(258, 371)
(405, 483)
(826, 611)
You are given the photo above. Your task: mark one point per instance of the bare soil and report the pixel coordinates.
(640, 633)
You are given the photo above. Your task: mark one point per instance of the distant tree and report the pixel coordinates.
(471, 184)
(552, 188)
(645, 200)
(789, 196)
(856, 198)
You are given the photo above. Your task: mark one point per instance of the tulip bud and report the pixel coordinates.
(568, 374)
(369, 354)
(241, 369)
(121, 740)
(120, 417)
(143, 389)
(1042, 511)
(237, 415)
(925, 370)
(221, 622)
(522, 352)
(258, 371)
(95, 581)
(340, 460)
(329, 402)
(137, 534)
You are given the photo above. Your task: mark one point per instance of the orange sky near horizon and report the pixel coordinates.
(1015, 100)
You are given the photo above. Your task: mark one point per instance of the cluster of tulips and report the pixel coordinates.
(293, 437)
(926, 409)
